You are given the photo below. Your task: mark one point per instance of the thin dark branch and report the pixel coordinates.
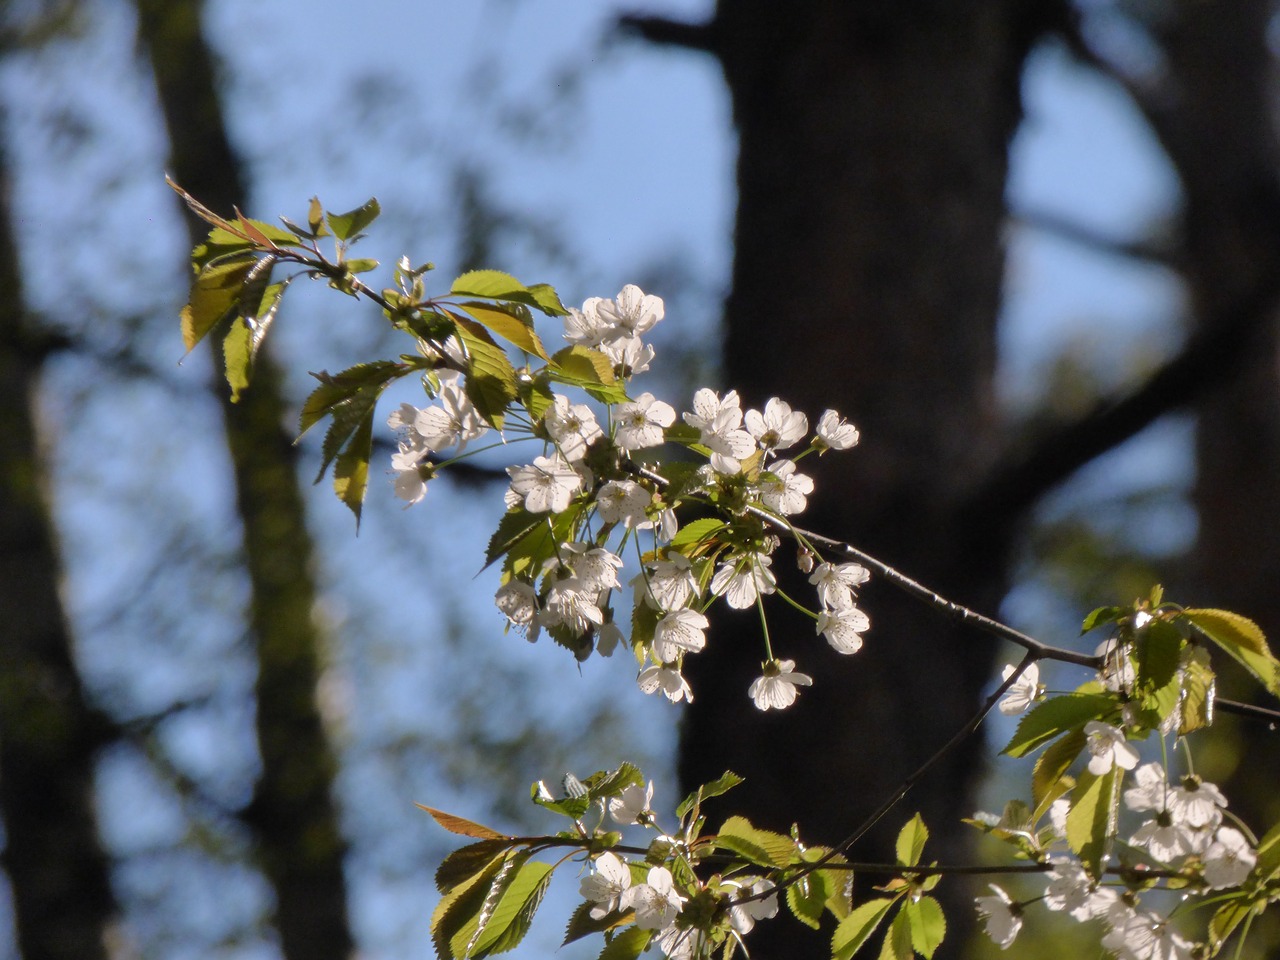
(1065, 228)
(672, 33)
(1211, 356)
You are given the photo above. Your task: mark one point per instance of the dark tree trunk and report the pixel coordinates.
(292, 815)
(867, 276)
(58, 871)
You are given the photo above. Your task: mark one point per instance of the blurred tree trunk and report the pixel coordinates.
(292, 815)
(867, 277)
(49, 736)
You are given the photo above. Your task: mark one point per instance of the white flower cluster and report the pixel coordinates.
(657, 900)
(588, 487)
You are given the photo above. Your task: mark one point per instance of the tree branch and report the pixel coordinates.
(674, 33)
(1164, 255)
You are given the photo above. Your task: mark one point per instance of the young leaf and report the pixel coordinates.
(511, 322)
(1268, 865)
(514, 527)
(496, 285)
(237, 357)
(338, 388)
(1199, 690)
(1158, 649)
(351, 470)
(461, 825)
(462, 865)
(858, 927)
(1242, 639)
(582, 924)
(724, 783)
(911, 840)
(762, 847)
(701, 529)
(1047, 720)
(580, 366)
(627, 945)
(610, 783)
(1225, 920)
(491, 380)
(347, 225)
(807, 897)
(897, 942)
(464, 902)
(547, 300)
(1053, 765)
(1101, 615)
(504, 926)
(928, 924)
(1091, 822)
(214, 294)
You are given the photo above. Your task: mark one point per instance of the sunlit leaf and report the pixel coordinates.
(351, 468)
(510, 322)
(911, 841)
(1053, 764)
(928, 924)
(461, 825)
(1242, 639)
(1091, 821)
(762, 847)
(462, 865)
(491, 379)
(1053, 717)
(215, 294)
(346, 226)
(857, 928)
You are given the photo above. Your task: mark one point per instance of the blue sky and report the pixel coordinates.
(628, 152)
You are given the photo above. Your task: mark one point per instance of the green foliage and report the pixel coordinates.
(859, 927)
(1242, 639)
(1056, 716)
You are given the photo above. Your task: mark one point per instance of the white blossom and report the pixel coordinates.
(1228, 860)
(656, 901)
(776, 688)
(596, 567)
(719, 422)
(623, 501)
(843, 627)
(1151, 789)
(455, 421)
(549, 483)
(1196, 803)
(1144, 936)
(1069, 888)
(679, 630)
(634, 312)
(1165, 838)
(1024, 691)
(587, 327)
(572, 426)
(743, 915)
(1107, 748)
(667, 679)
(608, 637)
(632, 805)
(740, 580)
(835, 433)
(640, 422)
(574, 604)
(669, 584)
(606, 885)
(836, 582)
(778, 427)
(629, 355)
(518, 601)
(783, 490)
(1117, 673)
(1001, 915)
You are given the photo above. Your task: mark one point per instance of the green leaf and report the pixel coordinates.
(897, 942)
(237, 357)
(1053, 717)
(511, 322)
(1225, 920)
(462, 865)
(807, 897)
(496, 285)
(536, 395)
(214, 294)
(911, 840)
(928, 924)
(610, 783)
(627, 945)
(1158, 649)
(504, 916)
(547, 300)
(858, 927)
(1268, 865)
(461, 825)
(367, 379)
(1098, 617)
(761, 847)
(491, 379)
(1199, 690)
(698, 530)
(351, 470)
(1053, 764)
(722, 784)
(461, 904)
(582, 924)
(1091, 822)
(580, 366)
(346, 226)
(1242, 639)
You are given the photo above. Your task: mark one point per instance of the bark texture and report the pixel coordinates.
(293, 816)
(867, 275)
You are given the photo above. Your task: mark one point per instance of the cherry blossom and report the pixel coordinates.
(836, 582)
(744, 913)
(740, 580)
(783, 490)
(1001, 915)
(667, 679)
(632, 805)
(778, 427)
(835, 433)
(548, 484)
(670, 584)
(572, 426)
(656, 901)
(640, 422)
(1228, 860)
(776, 688)
(1107, 748)
(623, 501)
(843, 627)
(606, 885)
(634, 311)
(679, 630)
(719, 420)
(1024, 691)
